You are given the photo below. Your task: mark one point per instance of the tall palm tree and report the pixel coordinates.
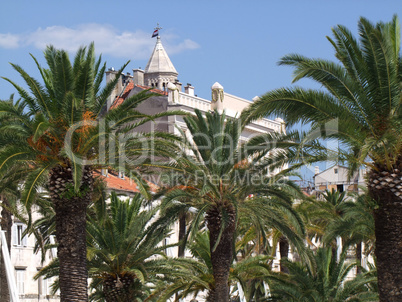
(222, 174)
(363, 94)
(326, 280)
(57, 132)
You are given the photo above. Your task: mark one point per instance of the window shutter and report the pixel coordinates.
(14, 234)
(25, 238)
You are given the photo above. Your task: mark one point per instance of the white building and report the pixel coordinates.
(336, 178)
(26, 265)
(161, 75)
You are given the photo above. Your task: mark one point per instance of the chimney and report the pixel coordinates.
(189, 89)
(110, 76)
(316, 170)
(138, 77)
(178, 84)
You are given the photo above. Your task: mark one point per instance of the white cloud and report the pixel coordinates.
(186, 44)
(9, 41)
(108, 40)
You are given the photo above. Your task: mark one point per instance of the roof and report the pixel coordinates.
(159, 61)
(129, 87)
(333, 166)
(119, 99)
(114, 182)
(156, 90)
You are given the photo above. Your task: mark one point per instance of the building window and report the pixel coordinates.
(18, 234)
(20, 280)
(336, 170)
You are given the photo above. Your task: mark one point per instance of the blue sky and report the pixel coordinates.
(236, 43)
(233, 42)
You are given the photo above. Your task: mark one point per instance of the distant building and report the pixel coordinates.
(336, 178)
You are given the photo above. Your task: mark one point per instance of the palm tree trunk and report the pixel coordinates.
(71, 211)
(284, 252)
(383, 187)
(119, 288)
(221, 256)
(359, 257)
(6, 225)
(182, 233)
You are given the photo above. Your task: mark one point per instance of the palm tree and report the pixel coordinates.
(362, 93)
(122, 249)
(326, 280)
(125, 249)
(189, 276)
(259, 234)
(221, 177)
(56, 133)
(170, 181)
(355, 226)
(194, 276)
(319, 213)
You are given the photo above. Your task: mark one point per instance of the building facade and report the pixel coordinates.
(26, 264)
(161, 77)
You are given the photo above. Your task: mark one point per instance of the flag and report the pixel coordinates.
(155, 33)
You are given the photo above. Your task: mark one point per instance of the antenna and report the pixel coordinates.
(157, 27)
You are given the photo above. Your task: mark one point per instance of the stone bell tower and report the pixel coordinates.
(159, 70)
